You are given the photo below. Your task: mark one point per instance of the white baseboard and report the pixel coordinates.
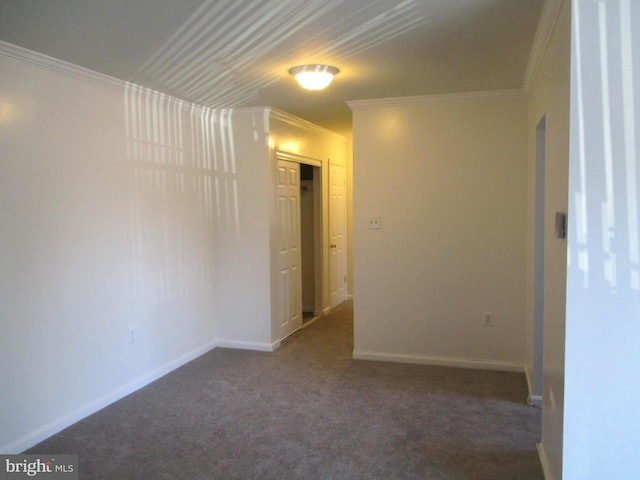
(55, 426)
(438, 361)
(257, 346)
(533, 399)
(544, 462)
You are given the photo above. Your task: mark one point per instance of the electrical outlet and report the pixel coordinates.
(375, 222)
(487, 318)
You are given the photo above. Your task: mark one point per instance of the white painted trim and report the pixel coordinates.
(91, 76)
(420, 100)
(546, 25)
(256, 346)
(277, 114)
(533, 400)
(60, 66)
(546, 472)
(294, 157)
(298, 122)
(527, 374)
(55, 426)
(438, 361)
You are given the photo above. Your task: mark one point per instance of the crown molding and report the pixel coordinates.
(295, 157)
(286, 117)
(423, 99)
(298, 122)
(546, 25)
(84, 74)
(90, 76)
(60, 66)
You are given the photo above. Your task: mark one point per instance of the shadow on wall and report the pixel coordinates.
(183, 178)
(610, 200)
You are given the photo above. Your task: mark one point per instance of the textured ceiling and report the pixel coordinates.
(237, 53)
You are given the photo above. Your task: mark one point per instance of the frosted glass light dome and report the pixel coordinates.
(314, 77)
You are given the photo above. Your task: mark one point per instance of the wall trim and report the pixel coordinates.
(59, 424)
(438, 361)
(298, 122)
(546, 25)
(447, 97)
(256, 346)
(90, 76)
(294, 157)
(533, 399)
(60, 66)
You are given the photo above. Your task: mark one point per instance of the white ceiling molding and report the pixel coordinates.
(418, 100)
(294, 157)
(60, 66)
(548, 19)
(90, 76)
(283, 116)
(86, 75)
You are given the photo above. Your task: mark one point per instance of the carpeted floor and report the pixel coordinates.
(308, 411)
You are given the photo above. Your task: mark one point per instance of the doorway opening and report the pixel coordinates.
(535, 397)
(310, 241)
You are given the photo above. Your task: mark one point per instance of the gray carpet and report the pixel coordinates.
(308, 411)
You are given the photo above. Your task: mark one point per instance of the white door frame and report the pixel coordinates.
(536, 393)
(338, 233)
(319, 230)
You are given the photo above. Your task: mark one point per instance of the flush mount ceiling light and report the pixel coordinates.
(314, 77)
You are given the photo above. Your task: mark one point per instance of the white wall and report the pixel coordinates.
(243, 279)
(106, 227)
(549, 98)
(602, 366)
(447, 175)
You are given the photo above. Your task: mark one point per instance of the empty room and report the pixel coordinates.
(428, 266)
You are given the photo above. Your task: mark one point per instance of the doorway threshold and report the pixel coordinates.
(309, 318)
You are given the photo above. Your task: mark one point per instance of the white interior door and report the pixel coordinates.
(290, 291)
(338, 234)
